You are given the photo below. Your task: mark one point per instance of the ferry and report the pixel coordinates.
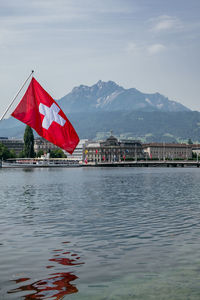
(39, 162)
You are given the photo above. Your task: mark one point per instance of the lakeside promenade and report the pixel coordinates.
(146, 164)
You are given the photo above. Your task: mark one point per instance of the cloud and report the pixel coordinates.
(145, 48)
(155, 49)
(165, 24)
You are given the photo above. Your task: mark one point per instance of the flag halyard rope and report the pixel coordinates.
(16, 96)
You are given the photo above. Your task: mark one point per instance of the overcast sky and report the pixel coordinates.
(151, 45)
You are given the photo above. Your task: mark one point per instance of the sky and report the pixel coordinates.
(150, 45)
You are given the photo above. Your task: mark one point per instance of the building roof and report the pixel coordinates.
(93, 145)
(166, 145)
(111, 141)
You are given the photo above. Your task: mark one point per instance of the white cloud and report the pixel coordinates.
(155, 49)
(166, 23)
(143, 49)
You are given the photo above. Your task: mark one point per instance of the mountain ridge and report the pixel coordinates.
(109, 96)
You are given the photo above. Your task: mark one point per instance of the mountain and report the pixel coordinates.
(108, 96)
(11, 128)
(145, 126)
(95, 110)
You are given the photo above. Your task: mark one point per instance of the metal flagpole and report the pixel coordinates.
(16, 95)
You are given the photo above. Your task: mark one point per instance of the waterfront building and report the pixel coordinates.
(196, 149)
(44, 145)
(163, 151)
(13, 144)
(112, 150)
(77, 155)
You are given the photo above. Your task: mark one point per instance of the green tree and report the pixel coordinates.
(21, 154)
(4, 152)
(40, 153)
(190, 142)
(13, 153)
(29, 142)
(57, 153)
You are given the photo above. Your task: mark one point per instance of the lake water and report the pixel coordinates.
(100, 233)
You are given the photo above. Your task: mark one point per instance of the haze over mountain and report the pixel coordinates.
(95, 110)
(108, 96)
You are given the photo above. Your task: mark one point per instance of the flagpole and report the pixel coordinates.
(16, 95)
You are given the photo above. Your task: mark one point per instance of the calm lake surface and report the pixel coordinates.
(100, 233)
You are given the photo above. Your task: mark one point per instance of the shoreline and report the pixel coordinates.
(136, 164)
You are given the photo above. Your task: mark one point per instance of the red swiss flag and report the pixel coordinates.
(38, 110)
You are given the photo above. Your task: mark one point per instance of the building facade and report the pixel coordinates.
(112, 150)
(164, 151)
(77, 155)
(16, 145)
(44, 145)
(196, 150)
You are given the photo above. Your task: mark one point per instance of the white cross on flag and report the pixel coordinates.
(38, 110)
(50, 115)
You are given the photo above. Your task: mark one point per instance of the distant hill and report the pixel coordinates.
(146, 126)
(11, 128)
(105, 106)
(108, 96)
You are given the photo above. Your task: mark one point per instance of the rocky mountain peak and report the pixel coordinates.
(109, 96)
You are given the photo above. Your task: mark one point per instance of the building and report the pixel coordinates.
(16, 145)
(196, 149)
(164, 151)
(77, 155)
(112, 150)
(44, 145)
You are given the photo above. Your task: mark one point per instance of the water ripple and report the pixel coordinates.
(122, 223)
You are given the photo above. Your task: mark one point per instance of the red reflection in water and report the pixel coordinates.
(49, 267)
(55, 286)
(65, 261)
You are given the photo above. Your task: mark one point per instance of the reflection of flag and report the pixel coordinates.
(96, 151)
(150, 155)
(38, 110)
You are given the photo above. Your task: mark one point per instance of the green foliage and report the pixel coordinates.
(21, 154)
(57, 153)
(13, 153)
(29, 142)
(5, 153)
(40, 153)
